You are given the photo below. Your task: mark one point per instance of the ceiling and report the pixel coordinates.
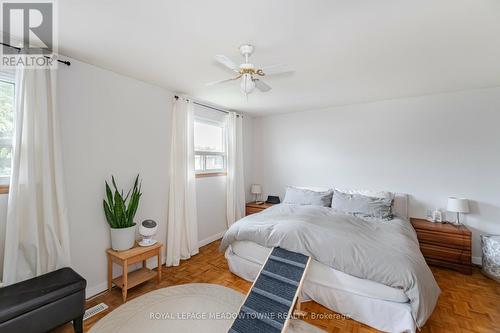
(343, 52)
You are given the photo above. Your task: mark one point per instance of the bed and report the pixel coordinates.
(379, 296)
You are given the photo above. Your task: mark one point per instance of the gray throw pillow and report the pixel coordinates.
(300, 196)
(362, 205)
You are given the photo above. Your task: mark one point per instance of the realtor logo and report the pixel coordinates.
(28, 34)
(32, 23)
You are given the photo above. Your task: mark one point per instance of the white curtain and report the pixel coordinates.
(37, 237)
(235, 180)
(182, 229)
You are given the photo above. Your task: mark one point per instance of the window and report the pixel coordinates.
(209, 146)
(6, 125)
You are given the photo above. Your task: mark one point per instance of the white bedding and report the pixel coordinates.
(386, 253)
(323, 275)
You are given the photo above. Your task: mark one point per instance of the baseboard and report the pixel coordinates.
(211, 239)
(477, 261)
(94, 290)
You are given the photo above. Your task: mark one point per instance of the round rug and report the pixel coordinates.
(194, 307)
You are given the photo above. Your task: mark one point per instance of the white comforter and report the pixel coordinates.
(384, 252)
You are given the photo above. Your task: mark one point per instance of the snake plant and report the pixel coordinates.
(119, 213)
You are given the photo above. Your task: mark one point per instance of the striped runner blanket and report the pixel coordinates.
(271, 300)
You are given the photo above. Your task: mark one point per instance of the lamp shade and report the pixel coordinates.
(458, 205)
(256, 189)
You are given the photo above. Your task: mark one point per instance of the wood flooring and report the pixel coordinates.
(468, 303)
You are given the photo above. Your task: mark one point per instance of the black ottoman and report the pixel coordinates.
(43, 303)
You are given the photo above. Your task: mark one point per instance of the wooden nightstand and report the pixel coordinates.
(129, 257)
(444, 244)
(253, 208)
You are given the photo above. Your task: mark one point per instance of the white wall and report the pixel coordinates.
(430, 147)
(211, 204)
(110, 125)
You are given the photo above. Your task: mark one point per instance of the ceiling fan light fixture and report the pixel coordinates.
(247, 84)
(250, 75)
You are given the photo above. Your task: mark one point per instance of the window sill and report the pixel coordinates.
(4, 189)
(211, 174)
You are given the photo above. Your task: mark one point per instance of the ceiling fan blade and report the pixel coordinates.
(277, 69)
(221, 81)
(222, 59)
(261, 85)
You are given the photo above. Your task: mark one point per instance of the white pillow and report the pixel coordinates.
(369, 193)
(302, 196)
(399, 204)
(363, 206)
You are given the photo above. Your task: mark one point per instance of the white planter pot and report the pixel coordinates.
(123, 238)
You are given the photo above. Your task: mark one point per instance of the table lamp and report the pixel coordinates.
(458, 205)
(256, 190)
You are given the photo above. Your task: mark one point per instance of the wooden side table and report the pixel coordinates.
(444, 244)
(129, 257)
(252, 207)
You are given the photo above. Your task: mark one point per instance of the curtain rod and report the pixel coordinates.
(67, 63)
(210, 107)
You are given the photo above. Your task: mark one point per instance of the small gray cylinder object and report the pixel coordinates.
(491, 256)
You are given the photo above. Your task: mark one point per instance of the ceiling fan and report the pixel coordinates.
(249, 74)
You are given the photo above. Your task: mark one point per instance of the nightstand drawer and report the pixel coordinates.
(252, 207)
(447, 254)
(253, 210)
(444, 244)
(456, 241)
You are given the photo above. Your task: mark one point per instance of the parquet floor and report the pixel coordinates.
(468, 303)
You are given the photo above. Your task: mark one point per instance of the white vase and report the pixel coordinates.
(122, 238)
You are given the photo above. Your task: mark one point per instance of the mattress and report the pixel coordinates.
(326, 276)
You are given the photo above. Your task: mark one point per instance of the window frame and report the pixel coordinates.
(212, 172)
(8, 76)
